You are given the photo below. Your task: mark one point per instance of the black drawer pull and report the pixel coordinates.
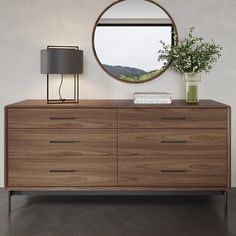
(173, 118)
(62, 171)
(63, 141)
(173, 171)
(181, 141)
(62, 118)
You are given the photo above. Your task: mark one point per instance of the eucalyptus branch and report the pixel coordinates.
(191, 54)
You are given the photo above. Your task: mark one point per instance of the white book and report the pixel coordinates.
(152, 94)
(152, 101)
(152, 97)
(147, 93)
(157, 99)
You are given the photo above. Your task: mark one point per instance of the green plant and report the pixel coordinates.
(191, 54)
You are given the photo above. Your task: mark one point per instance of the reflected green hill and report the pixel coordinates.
(131, 74)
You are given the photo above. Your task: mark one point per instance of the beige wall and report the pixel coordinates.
(26, 26)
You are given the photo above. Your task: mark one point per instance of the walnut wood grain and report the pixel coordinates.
(62, 142)
(62, 118)
(228, 147)
(109, 104)
(5, 147)
(170, 171)
(127, 189)
(172, 118)
(67, 172)
(75, 146)
(169, 142)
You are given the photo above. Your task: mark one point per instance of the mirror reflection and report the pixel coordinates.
(127, 37)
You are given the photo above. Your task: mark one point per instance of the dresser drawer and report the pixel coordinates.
(184, 142)
(172, 171)
(62, 118)
(172, 118)
(67, 172)
(62, 142)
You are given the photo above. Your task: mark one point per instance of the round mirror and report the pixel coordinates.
(126, 39)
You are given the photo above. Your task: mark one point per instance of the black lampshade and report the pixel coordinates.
(61, 61)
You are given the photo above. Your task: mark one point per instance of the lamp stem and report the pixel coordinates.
(59, 91)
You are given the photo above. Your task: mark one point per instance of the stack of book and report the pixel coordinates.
(152, 98)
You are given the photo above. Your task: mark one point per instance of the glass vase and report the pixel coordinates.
(192, 81)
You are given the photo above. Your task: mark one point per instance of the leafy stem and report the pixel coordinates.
(192, 54)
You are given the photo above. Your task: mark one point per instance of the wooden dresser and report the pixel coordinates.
(116, 145)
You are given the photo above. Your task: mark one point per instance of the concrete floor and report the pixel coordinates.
(117, 216)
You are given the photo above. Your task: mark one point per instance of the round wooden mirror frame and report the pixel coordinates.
(96, 56)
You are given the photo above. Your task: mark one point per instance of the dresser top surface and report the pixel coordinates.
(84, 103)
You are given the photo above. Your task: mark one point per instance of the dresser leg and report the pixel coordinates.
(9, 202)
(226, 202)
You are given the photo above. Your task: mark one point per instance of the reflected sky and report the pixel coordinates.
(132, 46)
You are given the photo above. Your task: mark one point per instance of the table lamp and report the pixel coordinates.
(62, 60)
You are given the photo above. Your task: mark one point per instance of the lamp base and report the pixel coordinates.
(61, 100)
(64, 101)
